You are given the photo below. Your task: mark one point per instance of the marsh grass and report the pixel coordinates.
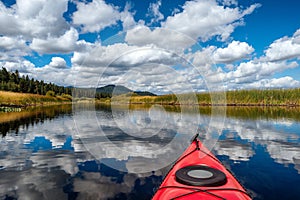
(274, 97)
(24, 99)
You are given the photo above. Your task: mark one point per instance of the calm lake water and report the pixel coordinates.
(102, 152)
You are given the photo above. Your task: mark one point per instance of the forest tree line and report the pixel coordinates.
(12, 81)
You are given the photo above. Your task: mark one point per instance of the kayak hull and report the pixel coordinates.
(213, 182)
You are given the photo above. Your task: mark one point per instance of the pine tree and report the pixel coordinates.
(31, 88)
(5, 75)
(23, 87)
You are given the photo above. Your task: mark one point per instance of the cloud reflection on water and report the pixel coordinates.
(29, 170)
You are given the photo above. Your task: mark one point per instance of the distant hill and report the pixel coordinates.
(113, 89)
(110, 90)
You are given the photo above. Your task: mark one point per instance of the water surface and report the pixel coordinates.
(101, 152)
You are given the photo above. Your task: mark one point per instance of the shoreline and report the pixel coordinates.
(210, 105)
(146, 103)
(49, 103)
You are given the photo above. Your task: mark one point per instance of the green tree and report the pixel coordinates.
(41, 88)
(4, 75)
(23, 86)
(37, 87)
(31, 88)
(16, 76)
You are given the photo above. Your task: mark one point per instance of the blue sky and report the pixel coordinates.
(156, 45)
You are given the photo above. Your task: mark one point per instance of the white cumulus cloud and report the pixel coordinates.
(95, 16)
(284, 48)
(34, 18)
(164, 38)
(283, 82)
(206, 18)
(22, 66)
(58, 63)
(234, 51)
(248, 72)
(63, 44)
(12, 48)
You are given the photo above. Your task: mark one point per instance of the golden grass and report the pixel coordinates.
(143, 99)
(24, 99)
(274, 97)
(133, 99)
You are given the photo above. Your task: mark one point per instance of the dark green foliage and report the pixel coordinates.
(11, 81)
(144, 93)
(110, 90)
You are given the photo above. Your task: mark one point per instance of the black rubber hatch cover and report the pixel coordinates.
(200, 175)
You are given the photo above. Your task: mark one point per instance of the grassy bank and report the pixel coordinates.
(13, 99)
(276, 97)
(265, 97)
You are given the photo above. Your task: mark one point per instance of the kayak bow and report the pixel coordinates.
(198, 174)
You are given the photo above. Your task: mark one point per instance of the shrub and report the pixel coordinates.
(50, 93)
(66, 96)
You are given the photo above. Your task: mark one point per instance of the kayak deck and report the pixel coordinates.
(198, 174)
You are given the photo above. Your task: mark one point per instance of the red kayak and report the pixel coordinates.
(198, 174)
